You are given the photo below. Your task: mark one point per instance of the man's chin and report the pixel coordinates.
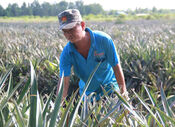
(72, 40)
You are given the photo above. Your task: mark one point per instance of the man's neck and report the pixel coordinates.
(84, 42)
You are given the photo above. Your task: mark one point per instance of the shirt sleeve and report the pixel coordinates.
(65, 64)
(111, 52)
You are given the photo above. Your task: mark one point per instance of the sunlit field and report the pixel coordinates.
(29, 67)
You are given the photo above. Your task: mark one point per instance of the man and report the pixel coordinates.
(85, 49)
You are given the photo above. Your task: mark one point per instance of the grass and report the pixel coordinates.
(89, 17)
(29, 19)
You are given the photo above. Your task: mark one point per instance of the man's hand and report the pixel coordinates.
(120, 78)
(65, 87)
(125, 95)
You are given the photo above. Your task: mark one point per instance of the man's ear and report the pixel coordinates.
(83, 25)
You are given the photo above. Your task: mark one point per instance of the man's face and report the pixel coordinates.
(74, 34)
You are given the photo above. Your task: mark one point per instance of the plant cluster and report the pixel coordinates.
(30, 109)
(27, 95)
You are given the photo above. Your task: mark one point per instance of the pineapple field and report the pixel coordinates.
(29, 72)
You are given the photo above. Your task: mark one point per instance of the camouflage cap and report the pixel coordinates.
(69, 18)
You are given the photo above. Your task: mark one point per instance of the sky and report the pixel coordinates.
(108, 4)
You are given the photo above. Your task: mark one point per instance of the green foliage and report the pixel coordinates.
(46, 9)
(99, 17)
(29, 19)
(146, 49)
(108, 111)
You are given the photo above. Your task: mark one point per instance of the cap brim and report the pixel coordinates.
(68, 26)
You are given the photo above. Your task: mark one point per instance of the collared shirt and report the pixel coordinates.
(102, 49)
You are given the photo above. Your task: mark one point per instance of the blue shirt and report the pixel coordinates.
(102, 48)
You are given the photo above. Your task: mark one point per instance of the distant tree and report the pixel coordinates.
(130, 12)
(93, 9)
(36, 8)
(15, 10)
(29, 10)
(54, 10)
(25, 10)
(154, 9)
(59, 7)
(8, 11)
(80, 6)
(62, 6)
(46, 9)
(71, 5)
(1, 11)
(112, 12)
(141, 10)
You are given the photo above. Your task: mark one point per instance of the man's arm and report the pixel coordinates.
(120, 78)
(65, 87)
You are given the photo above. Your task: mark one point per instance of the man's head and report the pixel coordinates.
(72, 25)
(69, 18)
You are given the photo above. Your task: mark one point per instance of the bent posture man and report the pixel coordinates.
(85, 49)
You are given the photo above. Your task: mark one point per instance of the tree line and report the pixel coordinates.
(47, 9)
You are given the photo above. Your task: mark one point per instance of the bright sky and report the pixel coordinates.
(109, 4)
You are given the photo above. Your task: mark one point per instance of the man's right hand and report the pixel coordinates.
(65, 87)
